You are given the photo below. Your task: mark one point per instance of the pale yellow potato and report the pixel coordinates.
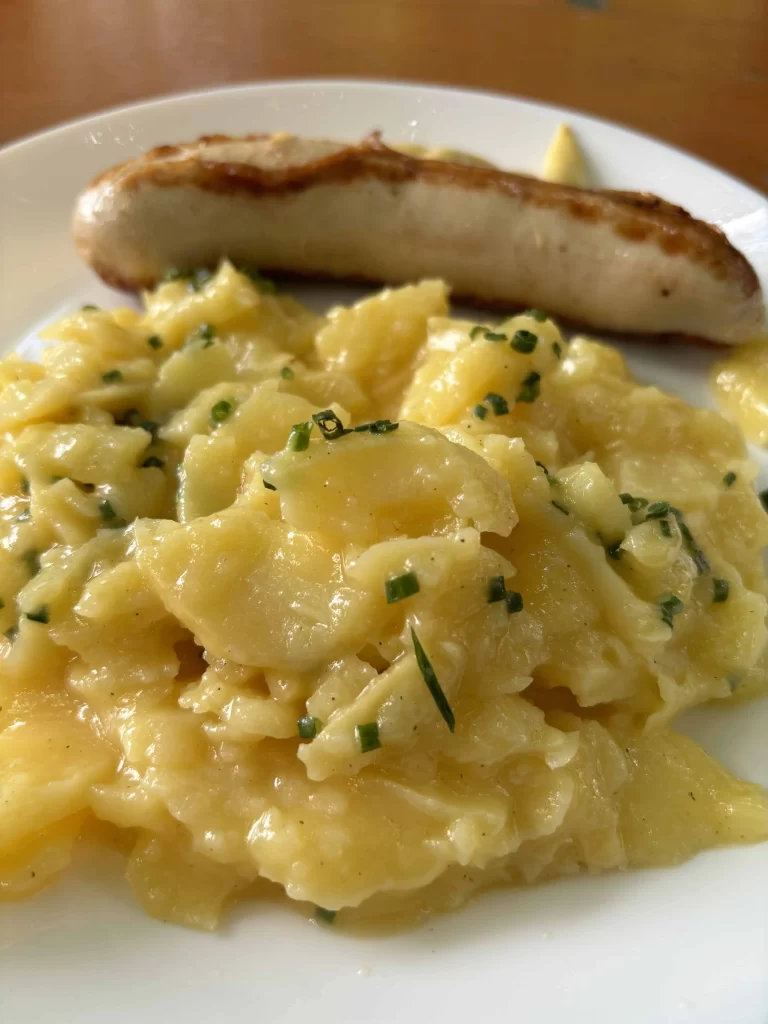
(740, 384)
(182, 591)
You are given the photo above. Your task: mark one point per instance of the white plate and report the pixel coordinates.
(686, 945)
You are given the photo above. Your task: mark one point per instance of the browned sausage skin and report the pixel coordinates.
(618, 261)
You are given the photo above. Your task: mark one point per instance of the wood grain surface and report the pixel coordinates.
(692, 72)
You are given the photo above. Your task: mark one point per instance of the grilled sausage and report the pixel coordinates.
(617, 261)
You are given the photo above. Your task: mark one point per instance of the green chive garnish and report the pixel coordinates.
(330, 425)
(557, 348)
(221, 412)
(635, 504)
(536, 314)
(478, 329)
(666, 528)
(264, 284)
(495, 336)
(328, 916)
(514, 601)
(31, 559)
(39, 615)
(729, 479)
(112, 376)
(88, 308)
(199, 278)
(298, 439)
(155, 341)
(207, 332)
(497, 403)
(106, 509)
(268, 485)
(561, 508)
(381, 427)
(400, 587)
(700, 559)
(720, 590)
(287, 373)
(524, 341)
(174, 274)
(153, 461)
(480, 412)
(308, 727)
(368, 736)
(496, 589)
(670, 605)
(530, 388)
(657, 510)
(434, 687)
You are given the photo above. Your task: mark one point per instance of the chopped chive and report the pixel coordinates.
(763, 496)
(367, 736)
(721, 589)
(199, 278)
(670, 605)
(298, 439)
(729, 479)
(496, 589)
(268, 485)
(536, 314)
(155, 341)
(699, 558)
(12, 633)
(495, 336)
(152, 461)
(264, 284)
(112, 376)
(287, 373)
(479, 412)
(530, 388)
(31, 559)
(477, 329)
(400, 587)
(207, 332)
(514, 601)
(174, 274)
(221, 411)
(330, 425)
(614, 550)
(666, 528)
(635, 504)
(308, 727)
(107, 510)
(561, 508)
(557, 348)
(24, 516)
(524, 341)
(497, 403)
(434, 687)
(24, 485)
(381, 427)
(39, 615)
(328, 916)
(88, 308)
(657, 510)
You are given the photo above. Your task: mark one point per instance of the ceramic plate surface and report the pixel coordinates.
(687, 945)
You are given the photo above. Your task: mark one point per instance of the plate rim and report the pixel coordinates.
(31, 139)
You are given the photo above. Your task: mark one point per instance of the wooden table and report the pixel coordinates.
(693, 72)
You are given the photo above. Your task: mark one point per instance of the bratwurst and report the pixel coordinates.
(616, 261)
